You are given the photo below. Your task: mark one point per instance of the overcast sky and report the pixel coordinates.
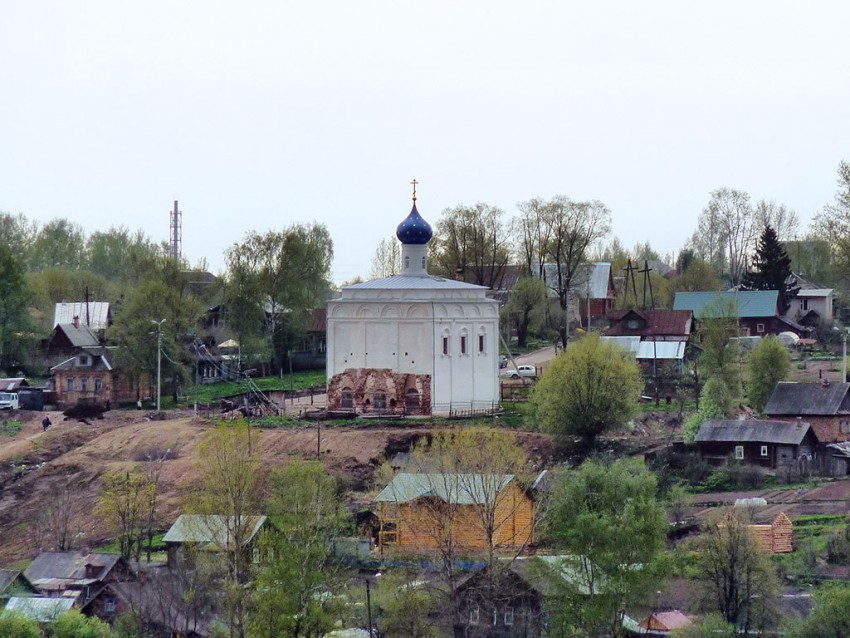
(257, 115)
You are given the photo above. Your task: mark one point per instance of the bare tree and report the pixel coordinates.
(782, 219)
(471, 241)
(63, 509)
(532, 231)
(387, 259)
(833, 221)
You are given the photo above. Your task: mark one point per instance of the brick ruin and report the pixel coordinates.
(380, 390)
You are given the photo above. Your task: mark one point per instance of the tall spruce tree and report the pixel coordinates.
(772, 269)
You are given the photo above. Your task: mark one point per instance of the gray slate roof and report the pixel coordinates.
(807, 399)
(68, 565)
(212, 529)
(711, 305)
(7, 577)
(733, 431)
(457, 489)
(81, 337)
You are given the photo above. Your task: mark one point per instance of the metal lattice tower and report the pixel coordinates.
(176, 232)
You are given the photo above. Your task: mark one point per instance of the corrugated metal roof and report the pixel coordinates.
(652, 323)
(731, 431)
(806, 399)
(213, 528)
(661, 349)
(815, 292)
(98, 313)
(457, 489)
(41, 609)
(10, 385)
(7, 577)
(711, 305)
(99, 361)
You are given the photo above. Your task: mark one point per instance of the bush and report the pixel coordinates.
(838, 547)
(13, 625)
(735, 476)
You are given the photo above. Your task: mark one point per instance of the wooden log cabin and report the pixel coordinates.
(773, 536)
(426, 511)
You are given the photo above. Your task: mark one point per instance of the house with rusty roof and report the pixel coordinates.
(651, 325)
(77, 575)
(770, 444)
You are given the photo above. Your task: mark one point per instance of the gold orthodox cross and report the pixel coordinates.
(414, 182)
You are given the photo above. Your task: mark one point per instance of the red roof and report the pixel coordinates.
(656, 323)
(319, 320)
(666, 620)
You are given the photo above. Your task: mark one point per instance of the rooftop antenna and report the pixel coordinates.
(176, 232)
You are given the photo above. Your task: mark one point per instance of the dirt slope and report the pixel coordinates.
(37, 468)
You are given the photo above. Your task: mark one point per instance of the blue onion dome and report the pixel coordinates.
(414, 229)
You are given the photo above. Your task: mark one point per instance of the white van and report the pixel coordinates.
(8, 401)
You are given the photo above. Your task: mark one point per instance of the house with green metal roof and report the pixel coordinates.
(421, 512)
(757, 311)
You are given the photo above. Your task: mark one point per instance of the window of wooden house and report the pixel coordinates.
(474, 615)
(109, 606)
(764, 450)
(69, 382)
(84, 384)
(509, 616)
(844, 427)
(84, 359)
(760, 328)
(98, 385)
(739, 452)
(346, 399)
(804, 304)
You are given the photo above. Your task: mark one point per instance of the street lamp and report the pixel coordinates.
(158, 359)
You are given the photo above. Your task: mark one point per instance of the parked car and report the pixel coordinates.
(522, 371)
(8, 401)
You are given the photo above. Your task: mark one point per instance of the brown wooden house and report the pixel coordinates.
(825, 405)
(773, 535)
(770, 444)
(651, 325)
(420, 511)
(80, 574)
(211, 532)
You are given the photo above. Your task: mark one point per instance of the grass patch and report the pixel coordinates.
(10, 428)
(212, 392)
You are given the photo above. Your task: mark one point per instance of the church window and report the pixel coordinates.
(380, 401)
(347, 398)
(481, 343)
(463, 344)
(445, 345)
(423, 263)
(407, 262)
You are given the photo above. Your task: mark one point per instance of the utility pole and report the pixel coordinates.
(158, 360)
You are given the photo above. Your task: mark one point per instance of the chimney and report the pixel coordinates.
(76, 321)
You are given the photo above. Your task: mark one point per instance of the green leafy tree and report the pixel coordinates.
(293, 271)
(120, 255)
(13, 319)
(308, 516)
(739, 579)
(527, 298)
(767, 365)
(60, 243)
(715, 403)
(772, 269)
(387, 258)
(607, 519)
(229, 470)
(829, 618)
(72, 624)
(15, 625)
(18, 234)
(720, 358)
(404, 605)
(472, 241)
(591, 388)
(124, 505)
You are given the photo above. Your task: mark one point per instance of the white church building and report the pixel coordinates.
(413, 343)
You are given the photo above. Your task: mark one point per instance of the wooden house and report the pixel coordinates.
(770, 444)
(96, 315)
(651, 325)
(825, 405)
(663, 623)
(76, 574)
(422, 511)
(14, 583)
(775, 536)
(212, 532)
(757, 311)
